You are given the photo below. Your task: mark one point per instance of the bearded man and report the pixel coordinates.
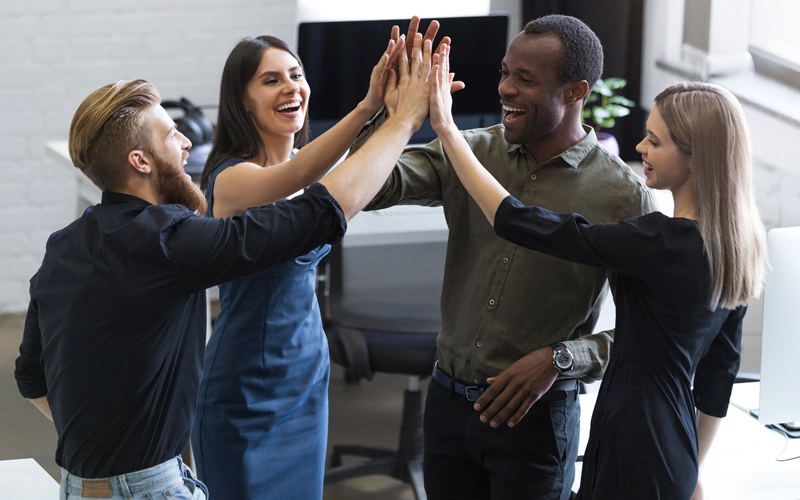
(113, 345)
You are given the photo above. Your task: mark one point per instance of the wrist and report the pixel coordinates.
(403, 125)
(563, 359)
(448, 132)
(365, 110)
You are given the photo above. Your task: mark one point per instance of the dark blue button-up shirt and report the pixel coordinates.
(116, 324)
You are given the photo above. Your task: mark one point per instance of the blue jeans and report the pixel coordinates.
(169, 480)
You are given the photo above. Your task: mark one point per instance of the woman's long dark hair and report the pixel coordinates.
(236, 135)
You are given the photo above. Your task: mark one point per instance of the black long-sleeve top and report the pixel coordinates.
(643, 440)
(115, 331)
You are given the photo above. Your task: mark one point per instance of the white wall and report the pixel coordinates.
(55, 52)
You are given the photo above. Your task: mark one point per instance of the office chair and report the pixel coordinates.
(382, 315)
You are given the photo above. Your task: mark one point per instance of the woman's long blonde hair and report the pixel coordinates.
(706, 122)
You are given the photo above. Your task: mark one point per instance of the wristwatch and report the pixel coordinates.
(563, 360)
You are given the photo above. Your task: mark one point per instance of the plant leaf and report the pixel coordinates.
(617, 111)
(600, 114)
(618, 99)
(607, 123)
(615, 83)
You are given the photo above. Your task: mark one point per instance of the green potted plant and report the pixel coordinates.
(603, 106)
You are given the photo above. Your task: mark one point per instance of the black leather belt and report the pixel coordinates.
(558, 391)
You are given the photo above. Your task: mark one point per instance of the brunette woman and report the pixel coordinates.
(262, 416)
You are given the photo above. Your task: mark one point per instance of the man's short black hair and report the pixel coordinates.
(582, 54)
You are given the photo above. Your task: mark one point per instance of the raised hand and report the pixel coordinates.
(441, 99)
(430, 34)
(378, 79)
(408, 91)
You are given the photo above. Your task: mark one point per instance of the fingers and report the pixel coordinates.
(402, 59)
(521, 412)
(445, 41)
(444, 74)
(426, 59)
(383, 63)
(394, 51)
(516, 406)
(505, 398)
(504, 406)
(395, 33)
(433, 28)
(416, 55)
(488, 394)
(413, 26)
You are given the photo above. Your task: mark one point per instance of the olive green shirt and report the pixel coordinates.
(500, 301)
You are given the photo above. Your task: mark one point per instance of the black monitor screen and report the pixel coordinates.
(339, 57)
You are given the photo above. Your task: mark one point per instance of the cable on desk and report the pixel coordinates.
(785, 445)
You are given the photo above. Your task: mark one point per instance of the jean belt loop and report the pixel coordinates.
(123, 482)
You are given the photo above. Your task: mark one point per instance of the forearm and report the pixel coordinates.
(356, 181)
(707, 427)
(43, 406)
(315, 159)
(484, 189)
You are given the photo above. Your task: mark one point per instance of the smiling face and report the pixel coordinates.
(276, 97)
(530, 90)
(665, 166)
(168, 151)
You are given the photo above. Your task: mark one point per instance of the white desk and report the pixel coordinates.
(741, 464)
(88, 194)
(25, 479)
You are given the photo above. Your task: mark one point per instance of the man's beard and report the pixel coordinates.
(176, 188)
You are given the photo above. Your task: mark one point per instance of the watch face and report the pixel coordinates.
(563, 360)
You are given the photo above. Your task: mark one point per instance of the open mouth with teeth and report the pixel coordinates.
(512, 113)
(289, 108)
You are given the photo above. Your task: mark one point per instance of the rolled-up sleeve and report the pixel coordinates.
(29, 371)
(716, 372)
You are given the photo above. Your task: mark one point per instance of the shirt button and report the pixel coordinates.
(533, 177)
(475, 381)
(505, 260)
(491, 302)
(479, 344)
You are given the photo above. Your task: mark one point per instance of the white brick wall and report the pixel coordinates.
(55, 52)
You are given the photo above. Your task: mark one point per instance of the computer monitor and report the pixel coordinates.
(339, 57)
(779, 399)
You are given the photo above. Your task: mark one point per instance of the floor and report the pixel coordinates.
(366, 413)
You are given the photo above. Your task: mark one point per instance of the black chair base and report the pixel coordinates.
(404, 464)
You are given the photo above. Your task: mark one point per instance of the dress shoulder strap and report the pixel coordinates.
(212, 179)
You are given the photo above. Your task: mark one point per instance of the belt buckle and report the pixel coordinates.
(467, 393)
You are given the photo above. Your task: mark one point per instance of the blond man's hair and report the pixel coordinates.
(107, 126)
(707, 123)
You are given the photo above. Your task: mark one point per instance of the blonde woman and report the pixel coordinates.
(683, 283)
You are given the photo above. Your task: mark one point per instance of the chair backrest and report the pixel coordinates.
(387, 287)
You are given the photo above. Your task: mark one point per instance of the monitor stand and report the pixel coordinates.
(789, 429)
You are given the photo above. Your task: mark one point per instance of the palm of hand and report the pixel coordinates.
(409, 95)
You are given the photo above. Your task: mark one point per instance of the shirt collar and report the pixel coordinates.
(574, 155)
(111, 198)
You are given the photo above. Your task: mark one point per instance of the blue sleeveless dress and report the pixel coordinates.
(261, 427)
